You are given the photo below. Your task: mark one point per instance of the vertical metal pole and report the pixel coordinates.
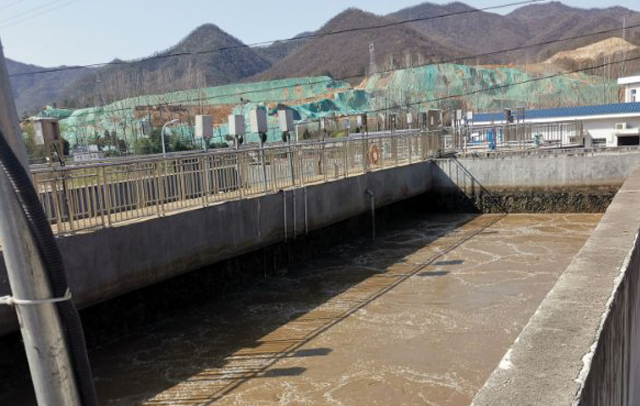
(264, 165)
(45, 346)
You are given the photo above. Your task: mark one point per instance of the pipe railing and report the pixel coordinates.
(110, 193)
(77, 198)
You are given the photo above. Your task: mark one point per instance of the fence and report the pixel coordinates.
(101, 195)
(519, 136)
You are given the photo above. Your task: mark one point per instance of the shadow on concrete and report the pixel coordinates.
(452, 262)
(457, 190)
(434, 273)
(135, 316)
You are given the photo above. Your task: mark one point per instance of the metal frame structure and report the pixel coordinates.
(105, 194)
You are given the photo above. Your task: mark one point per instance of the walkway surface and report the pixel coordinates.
(421, 318)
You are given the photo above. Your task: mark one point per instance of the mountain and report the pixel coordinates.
(485, 32)
(208, 57)
(343, 54)
(340, 52)
(34, 91)
(280, 49)
(550, 21)
(472, 33)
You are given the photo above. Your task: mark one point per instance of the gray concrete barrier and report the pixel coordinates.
(108, 262)
(582, 346)
(566, 181)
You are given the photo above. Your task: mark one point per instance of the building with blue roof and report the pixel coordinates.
(605, 124)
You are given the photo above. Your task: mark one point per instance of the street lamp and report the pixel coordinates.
(164, 150)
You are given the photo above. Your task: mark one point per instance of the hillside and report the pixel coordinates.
(347, 54)
(34, 91)
(339, 55)
(550, 21)
(473, 33)
(280, 49)
(605, 49)
(163, 73)
(487, 32)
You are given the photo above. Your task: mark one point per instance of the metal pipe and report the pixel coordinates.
(45, 346)
(263, 163)
(306, 216)
(284, 200)
(372, 198)
(295, 215)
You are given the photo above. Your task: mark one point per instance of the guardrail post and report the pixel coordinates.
(203, 180)
(161, 176)
(345, 151)
(293, 178)
(365, 155)
(68, 203)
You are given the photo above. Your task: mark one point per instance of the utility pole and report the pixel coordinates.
(45, 344)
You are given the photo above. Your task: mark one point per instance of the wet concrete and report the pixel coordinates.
(593, 199)
(421, 318)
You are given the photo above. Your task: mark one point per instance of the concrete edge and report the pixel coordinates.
(552, 360)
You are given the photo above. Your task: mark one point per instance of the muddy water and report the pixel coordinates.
(421, 318)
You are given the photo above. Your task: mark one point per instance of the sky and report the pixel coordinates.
(67, 32)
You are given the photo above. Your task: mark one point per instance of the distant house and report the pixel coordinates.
(631, 87)
(608, 125)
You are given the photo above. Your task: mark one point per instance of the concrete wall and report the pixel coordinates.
(552, 181)
(109, 262)
(582, 346)
(540, 168)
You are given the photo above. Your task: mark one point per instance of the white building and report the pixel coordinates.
(609, 124)
(631, 86)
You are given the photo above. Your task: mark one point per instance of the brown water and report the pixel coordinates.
(421, 318)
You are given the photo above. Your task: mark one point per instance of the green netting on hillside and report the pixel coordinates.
(437, 83)
(316, 97)
(86, 124)
(53, 112)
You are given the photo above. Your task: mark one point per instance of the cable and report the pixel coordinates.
(255, 44)
(12, 23)
(49, 253)
(350, 77)
(35, 9)
(497, 87)
(12, 4)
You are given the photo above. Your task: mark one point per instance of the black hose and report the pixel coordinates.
(54, 268)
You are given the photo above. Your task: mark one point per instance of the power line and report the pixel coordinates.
(12, 4)
(350, 77)
(524, 82)
(13, 22)
(456, 96)
(300, 38)
(33, 10)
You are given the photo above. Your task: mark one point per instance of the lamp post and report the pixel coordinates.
(164, 149)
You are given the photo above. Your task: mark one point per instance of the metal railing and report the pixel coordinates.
(105, 194)
(517, 136)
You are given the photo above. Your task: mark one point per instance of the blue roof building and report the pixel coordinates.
(567, 113)
(607, 124)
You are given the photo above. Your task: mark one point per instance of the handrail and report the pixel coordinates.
(85, 197)
(104, 194)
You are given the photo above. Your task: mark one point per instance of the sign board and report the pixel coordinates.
(204, 127)
(362, 120)
(47, 131)
(236, 124)
(88, 156)
(285, 120)
(409, 118)
(258, 121)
